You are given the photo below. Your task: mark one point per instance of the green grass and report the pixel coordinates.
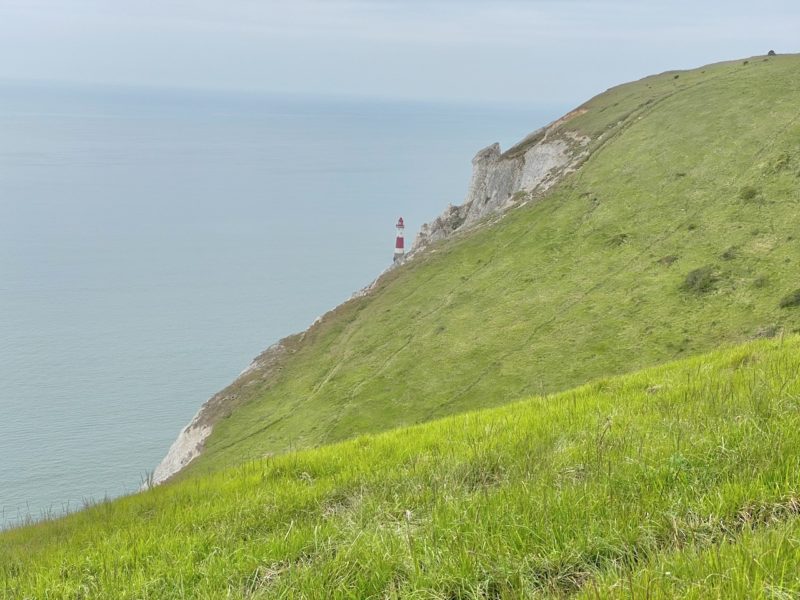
(584, 283)
(678, 480)
(760, 562)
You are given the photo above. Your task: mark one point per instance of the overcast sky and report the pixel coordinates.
(544, 52)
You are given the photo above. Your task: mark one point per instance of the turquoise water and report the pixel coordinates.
(153, 242)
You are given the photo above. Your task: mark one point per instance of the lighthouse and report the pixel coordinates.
(399, 246)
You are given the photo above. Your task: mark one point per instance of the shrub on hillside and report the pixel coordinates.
(790, 299)
(748, 192)
(667, 260)
(761, 281)
(618, 240)
(701, 281)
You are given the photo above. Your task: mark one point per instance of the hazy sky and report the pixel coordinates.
(537, 51)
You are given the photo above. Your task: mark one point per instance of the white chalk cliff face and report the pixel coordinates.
(499, 181)
(502, 180)
(184, 450)
(191, 439)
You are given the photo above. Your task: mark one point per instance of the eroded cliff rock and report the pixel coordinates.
(501, 180)
(191, 439)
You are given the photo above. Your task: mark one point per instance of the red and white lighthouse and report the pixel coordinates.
(399, 245)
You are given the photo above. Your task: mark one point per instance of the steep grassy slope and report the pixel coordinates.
(679, 233)
(681, 480)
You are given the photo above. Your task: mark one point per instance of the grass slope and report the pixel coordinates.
(676, 235)
(677, 481)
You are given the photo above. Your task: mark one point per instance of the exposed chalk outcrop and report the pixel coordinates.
(183, 450)
(191, 439)
(502, 180)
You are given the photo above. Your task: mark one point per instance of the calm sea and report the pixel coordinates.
(152, 242)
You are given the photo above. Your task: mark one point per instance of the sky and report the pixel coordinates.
(543, 52)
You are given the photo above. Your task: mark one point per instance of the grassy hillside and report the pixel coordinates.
(677, 481)
(679, 233)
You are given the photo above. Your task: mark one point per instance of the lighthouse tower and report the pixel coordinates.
(399, 246)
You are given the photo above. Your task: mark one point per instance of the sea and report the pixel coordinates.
(154, 241)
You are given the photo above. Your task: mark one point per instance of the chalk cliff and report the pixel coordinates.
(501, 180)
(190, 441)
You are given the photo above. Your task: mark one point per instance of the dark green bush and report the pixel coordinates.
(761, 281)
(701, 281)
(748, 192)
(790, 299)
